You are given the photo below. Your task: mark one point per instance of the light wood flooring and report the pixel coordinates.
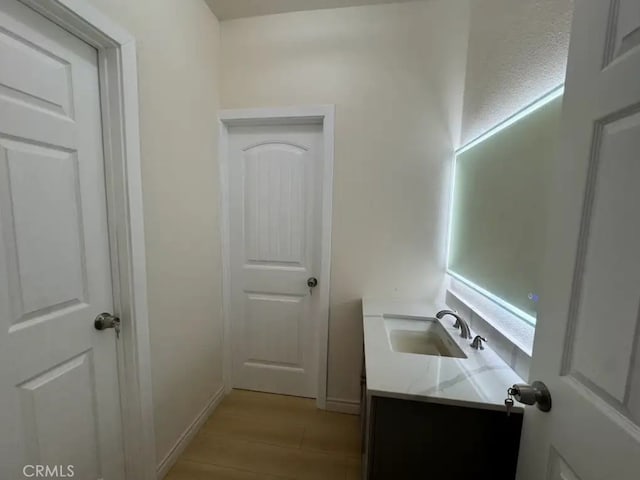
(253, 436)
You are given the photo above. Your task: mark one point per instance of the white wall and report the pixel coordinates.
(178, 71)
(517, 52)
(396, 75)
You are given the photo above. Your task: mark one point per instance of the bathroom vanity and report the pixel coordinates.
(433, 406)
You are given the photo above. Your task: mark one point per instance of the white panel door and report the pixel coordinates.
(275, 188)
(59, 397)
(588, 334)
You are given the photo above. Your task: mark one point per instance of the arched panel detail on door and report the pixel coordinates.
(275, 186)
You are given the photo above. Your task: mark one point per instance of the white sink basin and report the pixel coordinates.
(422, 337)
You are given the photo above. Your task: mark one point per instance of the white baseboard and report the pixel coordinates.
(340, 405)
(172, 457)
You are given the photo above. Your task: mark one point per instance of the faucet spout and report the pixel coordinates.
(461, 323)
(465, 331)
(442, 313)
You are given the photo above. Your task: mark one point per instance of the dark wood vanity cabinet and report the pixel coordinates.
(406, 439)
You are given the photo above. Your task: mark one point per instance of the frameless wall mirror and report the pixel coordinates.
(500, 204)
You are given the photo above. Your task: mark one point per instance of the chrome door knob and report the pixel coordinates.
(312, 282)
(106, 320)
(535, 394)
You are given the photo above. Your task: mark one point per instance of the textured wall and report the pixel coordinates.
(517, 52)
(178, 70)
(396, 75)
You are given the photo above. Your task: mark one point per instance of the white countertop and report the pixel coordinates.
(480, 380)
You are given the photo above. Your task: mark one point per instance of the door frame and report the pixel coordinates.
(117, 65)
(317, 114)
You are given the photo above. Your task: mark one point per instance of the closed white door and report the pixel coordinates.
(59, 397)
(588, 333)
(275, 219)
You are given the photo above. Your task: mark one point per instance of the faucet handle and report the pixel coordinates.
(477, 342)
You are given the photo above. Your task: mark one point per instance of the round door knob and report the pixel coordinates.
(106, 320)
(535, 394)
(312, 282)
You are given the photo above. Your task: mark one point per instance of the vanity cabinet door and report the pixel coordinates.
(412, 440)
(363, 414)
(365, 421)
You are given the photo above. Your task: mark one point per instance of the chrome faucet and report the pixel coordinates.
(477, 342)
(461, 323)
(465, 331)
(442, 313)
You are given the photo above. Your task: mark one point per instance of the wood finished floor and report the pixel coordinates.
(253, 436)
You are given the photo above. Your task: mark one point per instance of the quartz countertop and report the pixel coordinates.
(479, 381)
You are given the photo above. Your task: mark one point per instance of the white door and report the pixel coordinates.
(588, 333)
(275, 220)
(59, 398)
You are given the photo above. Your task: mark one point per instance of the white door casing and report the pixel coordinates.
(275, 205)
(59, 391)
(587, 335)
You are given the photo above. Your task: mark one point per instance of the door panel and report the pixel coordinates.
(38, 77)
(59, 394)
(609, 283)
(587, 335)
(276, 319)
(42, 215)
(58, 408)
(624, 29)
(275, 175)
(558, 468)
(274, 186)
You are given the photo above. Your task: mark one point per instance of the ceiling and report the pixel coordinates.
(229, 9)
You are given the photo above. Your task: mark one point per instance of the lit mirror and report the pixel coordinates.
(500, 207)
